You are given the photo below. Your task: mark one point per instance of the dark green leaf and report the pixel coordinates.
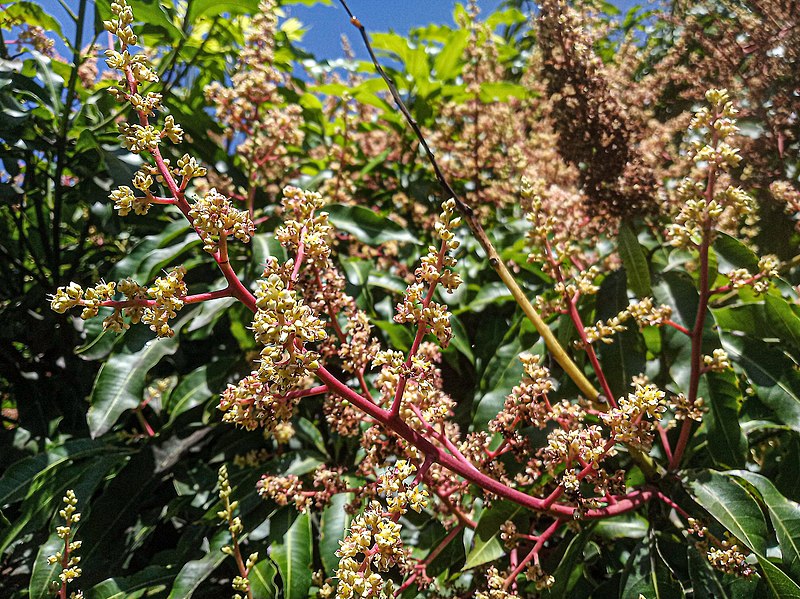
(771, 372)
(366, 225)
(121, 381)
(732, 506)
(726, 441)
(333, 527)
(486, 544)
(785, 517)
(634, 261)
(293, 557)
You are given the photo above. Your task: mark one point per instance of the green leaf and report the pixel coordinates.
(782, 586)
(332, 528)
(262, 580)
(212, 8)
(726, 441)
(486, 545)
(42, 573)
(624, 526)
(121, 381)
(366, 225)
(771, 373)
(571, 560)
(194, 572)
(784, 324)
(294, 558)
(634, 261)
(732, 253)
(646, 574)
(785, 517)
(501, 91)
(151, 579)
(447, 62)
(732, 506)
(19, 477)
(32, 14)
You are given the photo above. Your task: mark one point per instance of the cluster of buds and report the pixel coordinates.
(541, 223)
(783, 191)
(717, 361)
(304, 226)
(631, 421)
(154, 306)
(417, 305)
(400, 496)
(642, 311)
(284, 490)
(69, 562)
(767, 270)
(287, 489)
(703, 208)
(253, 104)
(724, 555)
(90, 300)
(126, 200)
(228, 515)
(375, 535)
(565, 446)
(496, 584)
(683, 409)
(249, 404)
(168, 293)
(283, 324)
(541, 579)
(527, 403)
(215, 218)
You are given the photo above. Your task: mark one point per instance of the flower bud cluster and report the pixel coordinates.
(417, 306)
(216, 218)
(401, 496)
(683, 409)
(724, 555)
(253, 104)
(168, 293)
(702, 207)
(90, 300)
(249, 404)
(235, 527)
(283, 324)
(760, 282)
(154, 306)
(539, 577)
(527, 404)
(566, 446)
(120, 23)
(642, 311)
(284, 490)
(303, 224)
(125, 200)
(783, 191)
(631, 422)
(717, 361)
(70, 570)
(496, 584)
(373, 543)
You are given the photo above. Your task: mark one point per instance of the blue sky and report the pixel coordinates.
(326, 24)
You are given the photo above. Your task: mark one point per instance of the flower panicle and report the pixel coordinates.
(66, 557)
(435, 269)
(155, 305)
